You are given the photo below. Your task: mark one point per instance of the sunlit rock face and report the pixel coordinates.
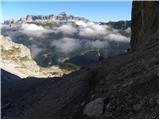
(16, 58)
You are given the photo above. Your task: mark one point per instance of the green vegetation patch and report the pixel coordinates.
(10, 51)
(9, 54)
(25, 58)
(69, 67)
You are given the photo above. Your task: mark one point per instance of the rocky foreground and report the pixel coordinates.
(124, 86)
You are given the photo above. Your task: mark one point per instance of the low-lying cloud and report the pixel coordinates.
(116, 37)
(80, 35)
(68, 29)
(33, 29)
(99, 44)
(66, 45)
(35, 50)
(92, 30)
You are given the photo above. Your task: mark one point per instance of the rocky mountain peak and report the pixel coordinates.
(63, 13)
(62, 17)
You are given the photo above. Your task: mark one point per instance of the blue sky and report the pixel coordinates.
(96, 11)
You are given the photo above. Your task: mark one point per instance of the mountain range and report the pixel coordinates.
(60, 18)
(64, 18)
(53, 40)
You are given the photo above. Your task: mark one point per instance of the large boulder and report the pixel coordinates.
(94, 108)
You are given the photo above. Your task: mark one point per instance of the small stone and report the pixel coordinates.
(82, 104)
(130, 82)
(137, 107)
(151, 101)
(94, 108)
(108, 106)
(92, 96)
(125, 85)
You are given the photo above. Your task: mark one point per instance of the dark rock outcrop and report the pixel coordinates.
(145, 23)
(8, 76)
(44, 98)
(130, 82)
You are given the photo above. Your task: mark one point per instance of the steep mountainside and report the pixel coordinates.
(146, 29)
(122, 25)
(16, 58)
(127, 86)
(123, 86)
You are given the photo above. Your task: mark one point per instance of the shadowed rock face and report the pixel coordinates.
(129, 83)
(43, 98)
(145, 23)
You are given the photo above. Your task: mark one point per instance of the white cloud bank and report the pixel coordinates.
(89, 35)
(66, 45)
(35, 50)
(31, 27)
(34, 30)
(116, 37)
(92, 30)
(68, 29)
